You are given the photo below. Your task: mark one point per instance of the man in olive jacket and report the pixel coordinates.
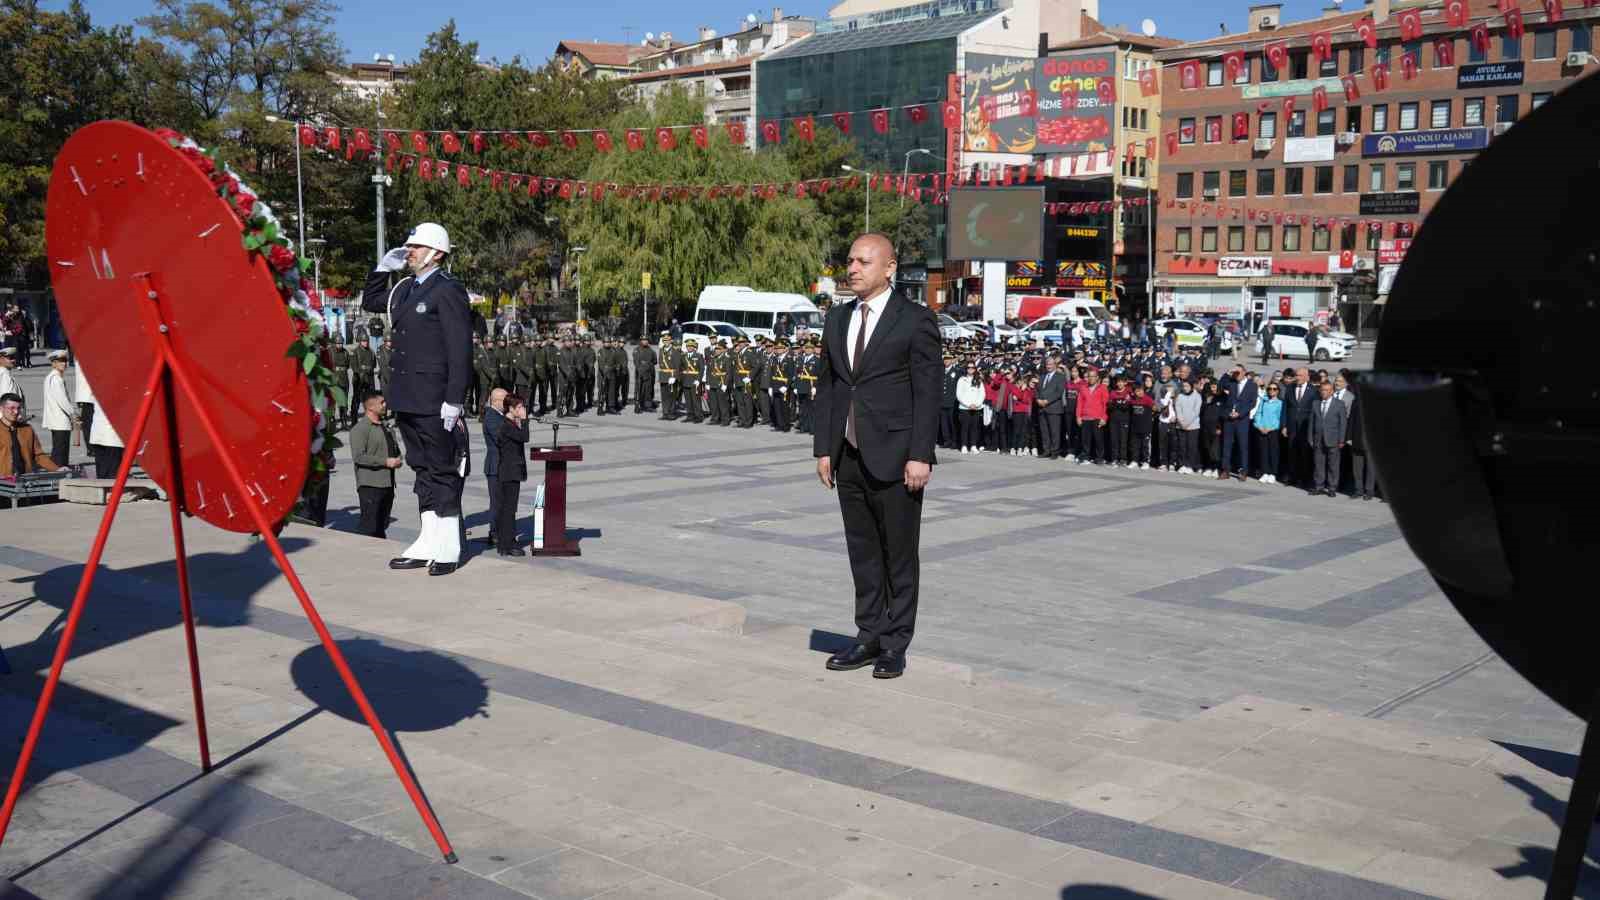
(376, 455)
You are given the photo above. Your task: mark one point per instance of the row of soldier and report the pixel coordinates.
(723, 383)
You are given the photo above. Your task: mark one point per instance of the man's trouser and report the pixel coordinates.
(642, 385)
(669, 400)
(747, 406)
(780, 410)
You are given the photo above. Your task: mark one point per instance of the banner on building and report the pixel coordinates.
(993, 95)
(1077, 103)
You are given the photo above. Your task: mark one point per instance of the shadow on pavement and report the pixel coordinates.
(1101, 892)
(1537, 861)
(411, 690)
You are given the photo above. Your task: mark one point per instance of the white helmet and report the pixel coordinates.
(430, 234)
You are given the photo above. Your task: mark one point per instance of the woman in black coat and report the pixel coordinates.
(511, 461)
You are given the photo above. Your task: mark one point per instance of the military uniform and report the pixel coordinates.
(587, 361)
(544, 375)
(805, 386)
(779, 373)
(483, 374)
(644, 366)
(717, 380)
(505, 366)
(764, 387)
(363, 361)
(522, 365)
(618, 398)
(386, 365)
(689, 381)
(746, 370)
(340, 360)
(667, 375)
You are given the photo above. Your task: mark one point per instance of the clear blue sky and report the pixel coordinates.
(506, 29)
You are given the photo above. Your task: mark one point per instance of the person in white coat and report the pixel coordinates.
(83, 395)
(59, 413)
(105, 445)
(8, 384)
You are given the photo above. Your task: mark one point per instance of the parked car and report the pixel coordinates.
(950, 329)
(1289, 339)
(702, 332)
(1190, 333)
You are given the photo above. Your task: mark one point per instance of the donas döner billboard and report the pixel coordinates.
(1013, 104)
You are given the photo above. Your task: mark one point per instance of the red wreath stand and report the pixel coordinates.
(183, 332)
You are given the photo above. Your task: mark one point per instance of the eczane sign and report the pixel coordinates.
(1244, 266)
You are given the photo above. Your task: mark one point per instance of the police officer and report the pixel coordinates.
(432, 364)
(644, 367)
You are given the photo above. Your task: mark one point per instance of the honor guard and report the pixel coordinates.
(619, 375)
(522, 367)
(689, 380)
(505, 365)
(805, 385)
(340, 358)
(667, 376)
(780, 373)
(386, 364)
(567, 378)
(644, 382)
(717, 381)
(483, 374)
(363, 363)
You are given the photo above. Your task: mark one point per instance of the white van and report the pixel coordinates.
(1047, 329)
(754, 312)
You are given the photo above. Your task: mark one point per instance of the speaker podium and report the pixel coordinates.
(555, 459)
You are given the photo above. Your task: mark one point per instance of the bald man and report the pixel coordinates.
(876, 415)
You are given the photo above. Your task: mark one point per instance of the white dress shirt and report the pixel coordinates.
(877, 305)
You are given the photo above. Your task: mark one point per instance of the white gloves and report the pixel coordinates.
(783, 390)
(747, 381)
(672, 381)
(393, 261)
(450, 415)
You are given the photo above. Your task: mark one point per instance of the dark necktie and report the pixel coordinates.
(855, 366)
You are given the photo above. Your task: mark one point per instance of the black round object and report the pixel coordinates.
(1483, 411)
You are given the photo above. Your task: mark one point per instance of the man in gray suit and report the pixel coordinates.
(1328, 419)
(1052, 390)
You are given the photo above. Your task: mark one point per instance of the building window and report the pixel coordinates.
(1237, 182)
(1374, 235)
(1210, 183)
(1235, 238)
(1319, 238)
(1185, 185)
(1329, 66)
(1323, 183)
(1266, 182)
(1186, 130)
(1380, 117)
(1214, 74)
(1269, 72)
(1293, 182)
(1267, 125)
(1326, 122)
(1405, 176)
(1381, 56)
(1144, 169)
(1244, 73)
(1408, 116)
(1472, 111)
(1352, 179)
(1144, 120)
(1356, 60)
(1582, 38)
(1412, 49)
(1375, 179)
(1505, 108)
(1130, 67)
(1475, 53)
(1538, 99)
(1297, 123)
(1208, 240)
(1510, 47)
(1347, 237)
(1291, 238)
(1213, 129)
(1352, 118)
(1263, 238)
(1438, 61)
(1299, 64)
(1544, 44)
(1439, 114)
(1438, 175)
(1182, 240)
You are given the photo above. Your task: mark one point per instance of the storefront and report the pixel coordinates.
(1252, 298)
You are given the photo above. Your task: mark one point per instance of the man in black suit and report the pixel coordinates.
(877, 419)
(1052, 392)
(949, 431)
(1242, 393)
(1299, 397)
(1329, 418)
(431, 366)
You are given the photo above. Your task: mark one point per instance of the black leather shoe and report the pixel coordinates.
(854, 658)
(406, 562)
(891, 664)
(1332, 492)
(440, 568)
(514, 551)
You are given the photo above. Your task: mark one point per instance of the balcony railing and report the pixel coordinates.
(931, 10)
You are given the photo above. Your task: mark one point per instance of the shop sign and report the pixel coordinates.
(1392, 253)
(1026, 274)
(1296, 88)
(1403, 203)
(1308, 149)
(1482, 75)
(1081, 231)
(993, 91)
(1244, 266)
(1077, 102)
(1072, 273)
(1443, 140)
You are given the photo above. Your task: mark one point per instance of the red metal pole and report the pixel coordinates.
(85, 582)
(176, 499)
(177, 367)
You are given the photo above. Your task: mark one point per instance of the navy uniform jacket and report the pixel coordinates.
(432, 361)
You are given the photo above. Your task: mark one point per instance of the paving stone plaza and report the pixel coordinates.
(1124, 684)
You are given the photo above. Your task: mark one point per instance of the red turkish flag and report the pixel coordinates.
(514, 181)
(1410, 24)
(389, 162)
(569, 140)
(1232, 65)
(308, 136)
(1148, 85)
(330, 136)
(602, 141)
(736, 132)
(391, 141)
(548, 185)
(1552, 10)
(1368, 30)
(1027, 104)
(1408, 66)
(1189, 74)
(406, 162)
(1380, 77)
(988, 109)
(771, 133)
(1347, 259)
(1278, 55)
(452, 144)
(463, 175)
(1150, 147)
(1172, 143)
(806, 128)
(1479, 36)
(880, 121)
(951, 112)
(567, 189)
(1322, 45)
(701, 136)
(496, 178)
(1444, 51)
(666, 138)
(477, 141)
(510, 140)
(1241, 126)
(539, 139)
(841, 121)
(919, 114)
(425, 169)
(1319, 98)
(419, 142)
(1107, 89)
(1352, 92)
(1514, 24)
(1455, 13)
(634, 138)
(361, 139)
(1288, 108)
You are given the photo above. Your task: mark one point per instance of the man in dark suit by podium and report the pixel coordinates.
(431, 366)
(877, 420)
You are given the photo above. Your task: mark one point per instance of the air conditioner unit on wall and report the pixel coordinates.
(1345, 138)
(1209, 194)
(1262, 145)
(1502, 127)
(1579, 59)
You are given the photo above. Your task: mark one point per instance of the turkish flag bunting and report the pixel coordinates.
(1322, 45)
(1189, 74)
(1455, 13)
(514, 181)
(1408, 66)
(771, 133)
(1479, 36)
(1319, 98)
(1444, 51)
(1410, 24)
(602, 141)
(392, 141)
(1232, 65)
(1278, 55)
(566, 190)
(389, 162)
(1150, 147)
(1107, 89)
(1514, 24)
(736, 132)
(308, 136)
(1368, 30)
(880, 121)
(1288, 108)
(538, 139)
(634, 138)
(825, 185)
(666, 138)
(1148, 85)
(919, 114)
(597, 191)
(463, 175)
(701, 136)
(407, 161)
(495, 180)
(951, 112)
(361, 139)
(485, 173)
(452, 143)
(548, 185)
(1380, 77)
(331, 137)
(1347, 258)
(477, 141)
(1172, 143)
(569, 140)
(1027, 104)
(1352, 91)
(806, 128)
(841, 121)
(1241, 126)
(510, 140)
(419, 142)
(1552, 10)
(425, 169)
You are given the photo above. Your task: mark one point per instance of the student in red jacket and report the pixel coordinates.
(1020, 407)
(1091, 419)
(994, 397)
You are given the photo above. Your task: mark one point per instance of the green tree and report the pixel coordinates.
(777, 244)
(906, 223)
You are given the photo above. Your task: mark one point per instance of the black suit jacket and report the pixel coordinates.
(1297, 415)
(897, 389)
(1242, 398)
(432, 360)
(1052, 390)
(511, 460)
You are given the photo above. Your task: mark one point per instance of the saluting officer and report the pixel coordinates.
(644, 382)
(432, 364)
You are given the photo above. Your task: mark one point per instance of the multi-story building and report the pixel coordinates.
(600, 59)
(719, 67)
(1318, 204)
(373, 79)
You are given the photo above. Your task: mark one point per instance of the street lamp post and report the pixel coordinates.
(849, 168)
(906, 171)
(578, 252)
(299, 182)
